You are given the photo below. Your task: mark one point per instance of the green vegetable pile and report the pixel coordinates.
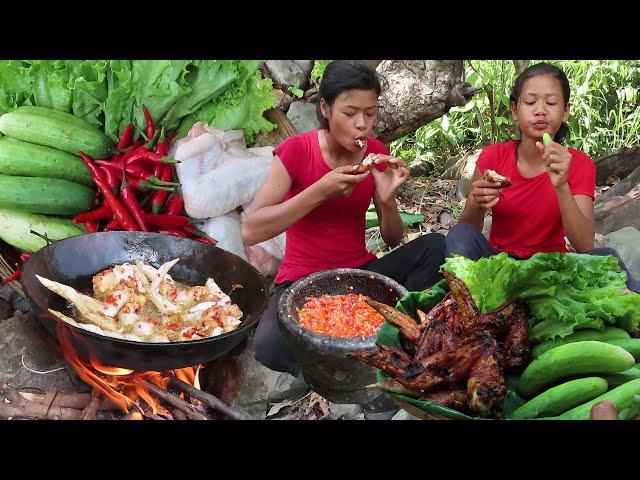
(109, 94)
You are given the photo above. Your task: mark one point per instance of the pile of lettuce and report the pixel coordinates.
(226, 94)
(564, 291)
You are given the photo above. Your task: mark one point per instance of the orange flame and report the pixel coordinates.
(122, 386)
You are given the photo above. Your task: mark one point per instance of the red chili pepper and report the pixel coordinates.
(91, 226)
(208, 241)
(174, 205)
(142, 185)
(173, 231)
(24, 256)
(128, 196)
(151, 129)
(120, 213)
(138, 172)
(111, 178)
(149, 157)
(158, 198)
(133, 147)
(195, 232)
(112, 225)
(126, 138)
(13, 277)
(170, 137)
(167, 220)
(100, 213)
(162, 148)
(189, 333)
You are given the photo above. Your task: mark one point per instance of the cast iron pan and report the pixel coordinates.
(75, 260)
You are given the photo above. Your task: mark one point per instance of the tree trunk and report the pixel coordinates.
(521, 65)
(416, 92)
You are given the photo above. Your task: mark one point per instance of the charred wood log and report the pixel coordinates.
(206, 398)
(174, 401)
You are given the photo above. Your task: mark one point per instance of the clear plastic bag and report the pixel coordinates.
(217, 172)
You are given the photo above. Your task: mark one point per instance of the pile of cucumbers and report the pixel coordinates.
(569, 375)
(42, 178)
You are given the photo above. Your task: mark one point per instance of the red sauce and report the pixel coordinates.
(345, 316)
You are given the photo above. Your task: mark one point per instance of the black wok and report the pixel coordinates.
(75, 260)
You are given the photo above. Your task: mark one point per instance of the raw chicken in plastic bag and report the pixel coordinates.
(217, 171)
(265, 256)
(227, 230)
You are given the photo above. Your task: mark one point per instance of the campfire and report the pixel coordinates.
(119, 393)
(141, 395)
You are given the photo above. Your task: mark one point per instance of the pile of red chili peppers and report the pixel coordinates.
(136, 188)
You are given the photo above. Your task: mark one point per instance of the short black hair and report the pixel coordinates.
(343, 75)
(536, 70)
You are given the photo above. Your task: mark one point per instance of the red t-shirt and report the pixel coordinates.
(332, 234)
(526, 219)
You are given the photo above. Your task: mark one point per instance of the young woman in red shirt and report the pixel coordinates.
(315, 193)
(552, 187)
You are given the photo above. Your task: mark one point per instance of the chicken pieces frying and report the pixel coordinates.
(454, 350)
(142, 303)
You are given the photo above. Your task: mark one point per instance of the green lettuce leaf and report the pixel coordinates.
(16, 85)
(89, 90)
(241, 106)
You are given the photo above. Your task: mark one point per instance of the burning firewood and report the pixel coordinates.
(175, 401)
(89, 412)
(208, 399)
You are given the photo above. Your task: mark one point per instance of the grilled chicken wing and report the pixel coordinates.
(409, 329)
(455, 398)
(465, 304)
(485, 386)
(393, 362)
(516, 342)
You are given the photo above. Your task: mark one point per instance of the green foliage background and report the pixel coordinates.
(603, 116)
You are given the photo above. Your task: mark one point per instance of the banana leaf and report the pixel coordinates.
(408, 219)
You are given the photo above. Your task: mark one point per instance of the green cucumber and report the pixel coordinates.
(608, 333)
(55, 129)
(622, 397)
(44, 195)
(561, 398)
(15, 229)
(31, 160)
(588, 357)
(546, 139)
(616, 379)
(631, 345)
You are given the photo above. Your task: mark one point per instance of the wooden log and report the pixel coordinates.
(57, 399)
(67, 399)
(206, 398)
(15, 406)
(89, 412)
(178, 414)
(152, 416)
(175, 401)
(37, 411)
(133, 415)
